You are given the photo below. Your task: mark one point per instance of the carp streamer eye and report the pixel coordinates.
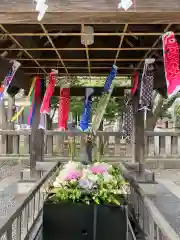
(172, 40)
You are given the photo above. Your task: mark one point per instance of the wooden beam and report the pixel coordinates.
(19, 45)
(87, 51)
(80, 91)
(120, 43)
(84, 6)
(154, 44)
(58, 54)
(82, 74)
(58, 67)
(73, 34)
(82, 49)
(37, 138)
(96, 17)
(85, 60)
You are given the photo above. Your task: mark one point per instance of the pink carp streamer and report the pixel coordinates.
(45, 107)
(171, 63)
(64, 102)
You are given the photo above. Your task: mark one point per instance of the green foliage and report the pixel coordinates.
(54, 101)
(114, 106)
(76, 106)
(113, 109)
(98, 81)
(177, 113)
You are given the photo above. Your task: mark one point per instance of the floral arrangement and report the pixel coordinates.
(96, 183)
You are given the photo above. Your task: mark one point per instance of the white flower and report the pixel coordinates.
(87, 174)
(86, 184)
(56, 184)
(72, 166)
(93, 178)
(107, 177)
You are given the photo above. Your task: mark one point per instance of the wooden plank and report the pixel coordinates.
(178, 145)
(156, 145)
(164, 17)
(168, 145)
(37, 139)
(67, 133)
(49, 147)
(16, 144)
(26, 144)
(80, 91)
(84, 6)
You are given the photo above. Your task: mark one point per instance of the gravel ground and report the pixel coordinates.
(9, 175)
(9, 168)
(170, 174)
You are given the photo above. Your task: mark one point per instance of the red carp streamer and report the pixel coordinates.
(64, 102)
(135, 83)
(171, 63)
(45, 107)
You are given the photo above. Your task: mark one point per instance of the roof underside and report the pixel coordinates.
(40, 48)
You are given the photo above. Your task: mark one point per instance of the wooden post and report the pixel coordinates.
(138, 143)
(37, 139)
(10, 125)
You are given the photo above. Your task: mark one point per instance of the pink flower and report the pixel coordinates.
(72, 174)
(99, 169)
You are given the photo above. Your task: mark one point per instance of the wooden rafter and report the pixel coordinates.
(59, 67)
(85, 60)
(58, 54)
(82, 49)
(81, 33)
(87, 52)
(120, 43)
(154, 44)
(129, 43)
(78, 74)
(126, 45)
(19, 45)
(156, 15)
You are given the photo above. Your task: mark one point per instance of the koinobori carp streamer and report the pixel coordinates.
(64, 104)
(45, 107)
(171, 63)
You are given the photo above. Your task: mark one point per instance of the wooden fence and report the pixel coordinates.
(157, 144)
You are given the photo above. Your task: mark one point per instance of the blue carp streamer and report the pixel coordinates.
(110, 78)
(84, 122)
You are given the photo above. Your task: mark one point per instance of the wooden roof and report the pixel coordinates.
(41, 47)
(91, 11)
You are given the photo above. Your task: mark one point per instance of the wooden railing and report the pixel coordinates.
(26, 219)
(157, 144)
(152, 223)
